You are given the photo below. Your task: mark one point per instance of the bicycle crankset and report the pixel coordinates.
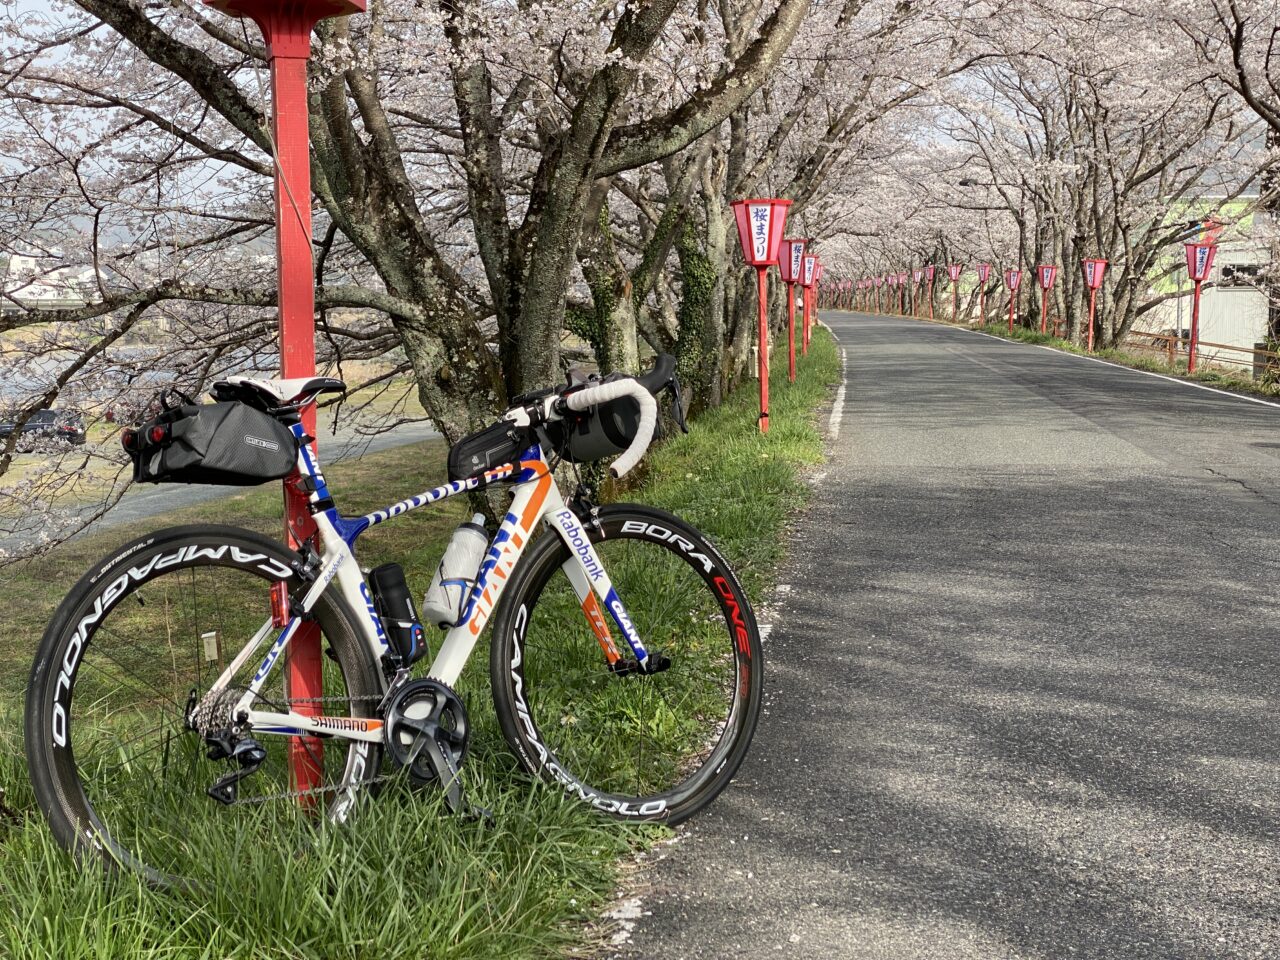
(426, 733)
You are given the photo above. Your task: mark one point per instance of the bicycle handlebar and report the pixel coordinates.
(603, 393)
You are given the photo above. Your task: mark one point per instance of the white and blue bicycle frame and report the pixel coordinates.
(536, 498)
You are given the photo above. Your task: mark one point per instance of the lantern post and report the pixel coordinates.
(1012, 280)
(807, 277)
(760, 225)
(928, 275)
(916, 274)
(790, 265)
(1046, 273)
(1199, 263)
(1093, 270)
(953, 272)
(286, 27)
(984, 275)
(817, 282)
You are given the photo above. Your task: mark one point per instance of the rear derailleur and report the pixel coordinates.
(211, 719)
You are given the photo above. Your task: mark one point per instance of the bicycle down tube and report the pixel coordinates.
(536, 498)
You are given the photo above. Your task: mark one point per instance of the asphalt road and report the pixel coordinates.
(1022, 693)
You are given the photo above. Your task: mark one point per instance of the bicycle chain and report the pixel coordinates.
(313, 791)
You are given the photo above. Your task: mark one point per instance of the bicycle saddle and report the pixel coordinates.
(276, 393)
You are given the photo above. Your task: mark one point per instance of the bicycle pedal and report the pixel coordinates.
(658, 662)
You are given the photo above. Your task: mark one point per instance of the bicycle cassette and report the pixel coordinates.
(426, 731)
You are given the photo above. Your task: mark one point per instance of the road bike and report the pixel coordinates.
(625, 662)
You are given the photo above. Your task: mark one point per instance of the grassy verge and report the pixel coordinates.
(1210, 376)
(402, 881)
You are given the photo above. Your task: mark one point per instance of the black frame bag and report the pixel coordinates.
(496, 444)
(227, 443)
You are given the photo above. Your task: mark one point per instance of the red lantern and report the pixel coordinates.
(761, 223)
(808, 324)
(1199, 263)
(984, 274)
(791, 265)
(1012, 280)
(810, 268)
(953, 271)
(791, 260)
(808, 278)
(1046, 273)
(1093, 270)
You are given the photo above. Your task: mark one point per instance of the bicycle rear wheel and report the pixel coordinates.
(635, 746)
(116, 768)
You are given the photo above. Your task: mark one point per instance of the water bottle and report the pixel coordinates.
(394, 603)
(447, 596)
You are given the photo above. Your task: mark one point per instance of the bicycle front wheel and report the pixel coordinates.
(117, 767)
(634, 745)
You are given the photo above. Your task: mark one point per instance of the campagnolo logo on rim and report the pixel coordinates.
(259, 442)
(116, 588)
(545, 760)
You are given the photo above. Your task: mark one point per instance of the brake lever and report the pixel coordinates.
(677, 404)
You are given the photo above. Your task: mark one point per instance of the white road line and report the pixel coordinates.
(837, 409)
(1120, 366)
(765, 630)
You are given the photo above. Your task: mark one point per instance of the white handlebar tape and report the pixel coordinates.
(648, 417)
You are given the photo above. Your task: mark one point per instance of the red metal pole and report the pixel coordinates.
(804, 333)
(1044, 309)
(1195, 328)
(1012, 293)
(762, 277)
(303, 684)
(807, 332)
(955, 301)
(791, 332)
(930, 299)
(1093, 297)
(982, 304)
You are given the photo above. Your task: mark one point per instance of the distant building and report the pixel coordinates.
(45, 282)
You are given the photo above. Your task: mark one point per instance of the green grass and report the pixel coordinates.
(403, 880)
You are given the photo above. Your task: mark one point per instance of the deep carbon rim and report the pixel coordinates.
(538, 709)
(93, 682)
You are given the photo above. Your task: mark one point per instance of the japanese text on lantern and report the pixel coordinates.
(760, 230)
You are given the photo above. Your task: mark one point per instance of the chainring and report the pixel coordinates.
(425, 708)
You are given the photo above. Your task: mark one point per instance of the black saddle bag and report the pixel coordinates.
(227, 443)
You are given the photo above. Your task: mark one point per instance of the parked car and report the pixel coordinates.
(64, 425)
